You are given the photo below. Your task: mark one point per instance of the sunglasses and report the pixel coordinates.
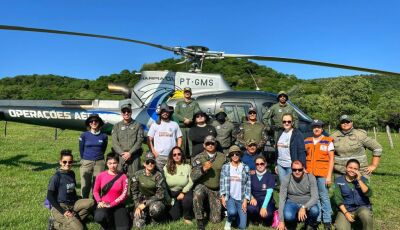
(235, 154)
(69, 162)
(176, 154)
(286, 122)
(260, 164)
(209, 143)
(93, 121)
(126, 111)
(298, 170)
(345, 122)
(200, 115)
(252, 113)
(150, 162)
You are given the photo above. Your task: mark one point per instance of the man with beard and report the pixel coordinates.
(163, 136)
(298, 199)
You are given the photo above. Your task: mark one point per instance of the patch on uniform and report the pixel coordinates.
(352, 137)
(134, 179)
(184, 105)
(280, 110)
(264, 187)
(122, 127)
(323, 148)
(197, 161)
(218, 127)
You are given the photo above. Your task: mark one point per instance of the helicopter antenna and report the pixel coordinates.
(257, 88)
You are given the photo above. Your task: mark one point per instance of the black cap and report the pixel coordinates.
(317, 123)
(93, 117)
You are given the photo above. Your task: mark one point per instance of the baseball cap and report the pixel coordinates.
(252, 109)
(209, 138)
(234, 148)
(149, 156)
(317, 123)
(345, 117)
(251, 142)
(187, 89)
(126, 106)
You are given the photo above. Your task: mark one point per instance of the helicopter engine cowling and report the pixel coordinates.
(119, 89)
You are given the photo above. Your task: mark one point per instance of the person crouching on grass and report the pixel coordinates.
(235, 188)
(67, 210)
(148, 193)
(110, 191)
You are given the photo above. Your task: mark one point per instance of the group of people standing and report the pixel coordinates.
(197, 168)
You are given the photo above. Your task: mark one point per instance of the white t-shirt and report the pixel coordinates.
(165, 135)
(284, 158)
(235, 175)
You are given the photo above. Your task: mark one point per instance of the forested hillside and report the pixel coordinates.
(371, 99)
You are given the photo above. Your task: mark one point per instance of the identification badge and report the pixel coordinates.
(323, 148)
(218, 127)
(280, 110)
(184, 105)
(264, 187)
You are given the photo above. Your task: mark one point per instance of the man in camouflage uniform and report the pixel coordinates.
(350, 143)
(127, 139)
(184, 111)
(148, 193)
(252, 129)
(273, 117)
(205, 174)
(224, 130)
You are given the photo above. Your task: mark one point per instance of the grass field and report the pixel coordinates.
(29, 154)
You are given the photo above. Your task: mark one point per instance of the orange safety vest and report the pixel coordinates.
(318, 156)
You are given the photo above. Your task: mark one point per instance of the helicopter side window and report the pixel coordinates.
(265, 107)
(230, 112)
(241, 111)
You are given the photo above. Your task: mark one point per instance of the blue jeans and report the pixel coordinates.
(234, 209)
(324, 202)
(283, 172)
(290, 213)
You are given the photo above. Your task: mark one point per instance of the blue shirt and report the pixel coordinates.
(92, 147)
(248, 160)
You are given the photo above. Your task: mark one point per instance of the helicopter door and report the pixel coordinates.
(236, 111)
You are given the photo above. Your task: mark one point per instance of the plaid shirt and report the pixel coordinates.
(225, 181)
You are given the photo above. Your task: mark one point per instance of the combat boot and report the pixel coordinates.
(200, 224)
(327, 226)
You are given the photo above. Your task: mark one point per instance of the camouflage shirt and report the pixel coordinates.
(210, 178)
(254, 131)
(147, 189)
(351, 145)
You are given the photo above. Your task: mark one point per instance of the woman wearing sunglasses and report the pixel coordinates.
(177, 176)
(110, 191)
(66, 210)
(92, 146)
(199, 131)
(262, 204)
(148, 193)
(290, 147)
(235, 188)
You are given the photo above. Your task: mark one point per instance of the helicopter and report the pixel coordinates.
(210, 90)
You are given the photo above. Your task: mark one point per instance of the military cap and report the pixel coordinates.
(94, 117)
(126, 106)
(221, 114)
(345, 117)
(187, 89)
(317, 123)
(251, 142)
(234, 149)
(149, 156)
(210, 138)
(283, 93)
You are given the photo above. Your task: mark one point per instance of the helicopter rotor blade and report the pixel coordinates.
(309, 62)
(20, 28)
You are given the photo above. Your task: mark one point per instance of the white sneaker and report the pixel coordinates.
(227, 225)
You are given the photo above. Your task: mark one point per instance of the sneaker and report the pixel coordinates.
(200, 225)
(227, 225)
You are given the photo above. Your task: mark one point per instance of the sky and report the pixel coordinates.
(359, 33)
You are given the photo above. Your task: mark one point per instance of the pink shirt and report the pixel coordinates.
(118, 192)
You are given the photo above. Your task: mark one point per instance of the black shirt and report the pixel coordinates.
(197, 135)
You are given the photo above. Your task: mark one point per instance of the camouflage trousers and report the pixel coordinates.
(200, 193)
(154, 211)
(81, 208)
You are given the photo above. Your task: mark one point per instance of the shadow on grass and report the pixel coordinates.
(386, 174)
(18, 160)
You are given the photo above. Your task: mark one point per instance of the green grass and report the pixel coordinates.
(29, 154)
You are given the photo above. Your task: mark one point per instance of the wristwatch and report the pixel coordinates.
(303, 207)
